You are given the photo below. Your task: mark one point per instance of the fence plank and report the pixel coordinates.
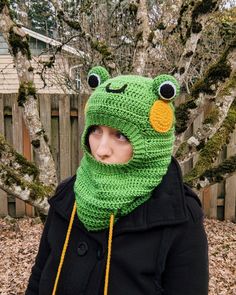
(213, 201)
(17, 144)
(82, 99)
(206, 199)
(74, 145)
(230, 198)
(230, 185)
(45, 114)
(1, 115)
(29, 210)
(55, 144)
(65, 136)
(3, 195)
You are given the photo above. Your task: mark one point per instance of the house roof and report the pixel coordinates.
(55, 77)
(53, 42)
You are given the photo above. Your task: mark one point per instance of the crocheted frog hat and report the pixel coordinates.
(140, 108)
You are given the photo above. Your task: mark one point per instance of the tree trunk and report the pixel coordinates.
(17, 41)
(141, 54)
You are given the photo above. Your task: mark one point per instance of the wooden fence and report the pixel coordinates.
(63, 120)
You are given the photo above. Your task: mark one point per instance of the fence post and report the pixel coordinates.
(65, 136)
(3, 195)
(18, 145)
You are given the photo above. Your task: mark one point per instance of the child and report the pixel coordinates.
(126, 223)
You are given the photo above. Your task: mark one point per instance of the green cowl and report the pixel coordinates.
(126, 103)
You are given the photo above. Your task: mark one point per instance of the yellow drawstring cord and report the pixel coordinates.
(66, 245)
(109, 254)
(64, 250)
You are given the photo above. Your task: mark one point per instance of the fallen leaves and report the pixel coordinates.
(19, 241)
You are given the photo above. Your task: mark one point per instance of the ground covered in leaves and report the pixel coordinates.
(19, 241)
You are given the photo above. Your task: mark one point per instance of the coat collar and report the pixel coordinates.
(165, 207)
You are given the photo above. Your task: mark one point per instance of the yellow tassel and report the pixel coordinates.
(109, 254)
(64, 250)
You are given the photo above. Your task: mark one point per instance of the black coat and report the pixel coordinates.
(159, 248)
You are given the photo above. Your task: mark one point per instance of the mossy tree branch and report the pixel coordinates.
(20, 178)
(210, 151)
(224, 97)
(217, 86)
(217, 174)
(193, 17)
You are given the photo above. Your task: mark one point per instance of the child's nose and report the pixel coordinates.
(104, 149)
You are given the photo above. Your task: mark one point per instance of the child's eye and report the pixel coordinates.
(121, 136)
(95, 130)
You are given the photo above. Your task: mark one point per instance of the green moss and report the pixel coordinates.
(210, 152)
(213, 116)
(182, 115)
(203, 7)
(31, 89)
(133, 8)
(26, 166)
(102, 48)
(216, 174)
(139, 36)
(46, 138)
(18, 44)
(48, 64)
(231, 83)
(36, 143)
(12, 179)
(21, 95)
(25, 89)
(37, 190)
(183, 148)
(72, 24)
(196, 27)
(181, 70)
(4, 3)
(183, 9)
(188, 54)
(217, 72)
(151, 36)
(161, 26)
(201, 145)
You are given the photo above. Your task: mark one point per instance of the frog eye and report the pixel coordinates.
(167, 90)
(96, 76)
(166, 87)
(94, 80)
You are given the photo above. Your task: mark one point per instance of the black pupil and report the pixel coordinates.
(167, 91)
(93, 81)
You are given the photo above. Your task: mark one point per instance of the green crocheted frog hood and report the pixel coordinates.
(140, 108)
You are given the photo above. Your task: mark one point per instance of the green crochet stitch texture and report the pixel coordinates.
(124, 103)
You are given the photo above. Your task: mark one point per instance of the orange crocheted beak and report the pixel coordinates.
(161, 116)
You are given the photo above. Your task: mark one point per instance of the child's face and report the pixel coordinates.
(109, 146)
